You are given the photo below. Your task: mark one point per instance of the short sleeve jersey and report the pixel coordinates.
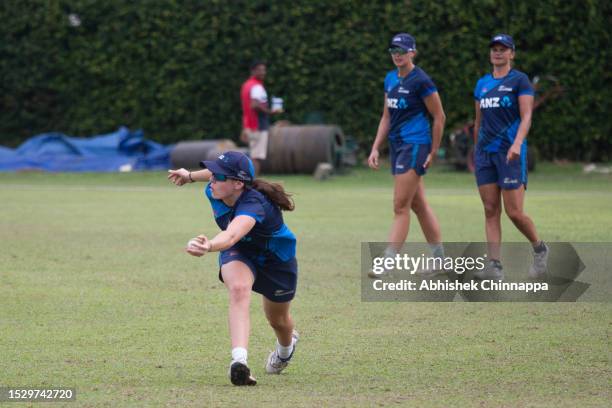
(409, 121)
(270, 240)
(499, 109)
(259, 93)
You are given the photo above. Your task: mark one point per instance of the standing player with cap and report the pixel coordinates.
(257, 251)
(504, 105)
(410, 96)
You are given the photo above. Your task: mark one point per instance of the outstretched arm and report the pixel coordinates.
(183, 176)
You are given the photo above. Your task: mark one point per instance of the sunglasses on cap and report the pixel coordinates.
(397, 50)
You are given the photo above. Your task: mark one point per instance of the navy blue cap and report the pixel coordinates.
(232, 164)
(404, 41)
(503, 39)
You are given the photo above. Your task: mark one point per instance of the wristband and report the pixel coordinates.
(192, 180)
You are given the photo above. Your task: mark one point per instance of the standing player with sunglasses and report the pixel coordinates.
(257, 252)
(410, 97)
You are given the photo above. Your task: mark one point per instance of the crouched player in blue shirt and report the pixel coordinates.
(257, 252)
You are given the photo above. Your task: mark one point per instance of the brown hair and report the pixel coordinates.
(276, 193)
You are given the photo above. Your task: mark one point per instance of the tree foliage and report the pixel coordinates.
(174, 68)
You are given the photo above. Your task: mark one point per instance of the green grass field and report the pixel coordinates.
(96, 293)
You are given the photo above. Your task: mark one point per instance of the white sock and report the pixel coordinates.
(239, 354)
(284, 352)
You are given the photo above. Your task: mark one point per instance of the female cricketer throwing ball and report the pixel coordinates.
(504, 104)
(257, 252)
(410, 96)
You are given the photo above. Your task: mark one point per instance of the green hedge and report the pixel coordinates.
(174, 68)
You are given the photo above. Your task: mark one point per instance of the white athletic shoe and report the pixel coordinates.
(275, 364)
(492, 271)
(540, 262)
(240, 374)
(385, 273)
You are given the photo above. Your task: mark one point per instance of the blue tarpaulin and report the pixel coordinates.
(123, 150)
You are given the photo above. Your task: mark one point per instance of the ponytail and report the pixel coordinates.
(275, 193)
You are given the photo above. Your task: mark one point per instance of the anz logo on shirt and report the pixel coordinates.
(495, 102)
(397, 103)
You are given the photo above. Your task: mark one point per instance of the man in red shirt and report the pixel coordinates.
(255, 113)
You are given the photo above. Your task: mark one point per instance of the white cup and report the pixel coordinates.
(277, 104)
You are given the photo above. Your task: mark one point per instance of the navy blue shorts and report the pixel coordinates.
(276, 281)
(406, 156)
(491, 167)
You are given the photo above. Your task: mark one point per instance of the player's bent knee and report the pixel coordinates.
(282, 322)
(418, 207)
(492, 210)
(401, 207)
(239, 292)
(514, 214)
